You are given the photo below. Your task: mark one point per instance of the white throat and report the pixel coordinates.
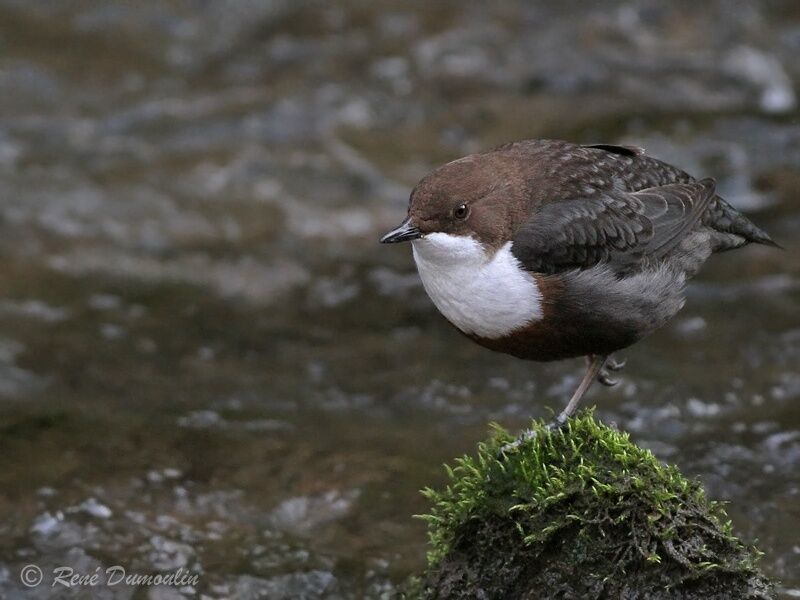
(482, 294)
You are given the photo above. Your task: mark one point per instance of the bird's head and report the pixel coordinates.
(468, 199)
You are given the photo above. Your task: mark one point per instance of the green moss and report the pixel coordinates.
(581, 500)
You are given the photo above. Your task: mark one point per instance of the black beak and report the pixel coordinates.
(404, 232)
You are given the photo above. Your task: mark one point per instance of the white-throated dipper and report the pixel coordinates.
(547, 250)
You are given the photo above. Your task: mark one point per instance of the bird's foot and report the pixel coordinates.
(530, 434)
(613, 365)
(604, 377)
(512, 447)
(610, 366)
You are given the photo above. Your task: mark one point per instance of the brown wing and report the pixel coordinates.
(618, 228)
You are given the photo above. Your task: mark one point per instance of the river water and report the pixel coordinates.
(208, 363)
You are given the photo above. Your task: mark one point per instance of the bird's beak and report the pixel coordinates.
(404, 232)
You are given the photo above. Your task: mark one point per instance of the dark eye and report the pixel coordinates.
(461, 211)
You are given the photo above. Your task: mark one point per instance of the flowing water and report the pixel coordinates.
(206, 360)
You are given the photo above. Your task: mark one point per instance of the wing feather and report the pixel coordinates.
(618, 228)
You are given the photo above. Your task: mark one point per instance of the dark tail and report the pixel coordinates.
(722, 217)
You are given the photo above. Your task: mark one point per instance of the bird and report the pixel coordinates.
(548, 250)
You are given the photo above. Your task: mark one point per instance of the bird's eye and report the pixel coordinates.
(461, 211)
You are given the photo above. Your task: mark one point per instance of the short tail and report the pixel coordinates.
(722, 217)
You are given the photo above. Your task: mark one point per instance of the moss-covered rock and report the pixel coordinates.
(580, 513)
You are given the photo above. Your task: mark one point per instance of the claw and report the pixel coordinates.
(523, 437)
(605, 378)
(613, 365)
(529, 434)
(509, 448)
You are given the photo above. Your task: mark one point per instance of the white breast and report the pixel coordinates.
(488, 295)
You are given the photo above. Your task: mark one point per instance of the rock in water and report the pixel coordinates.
(580, 513)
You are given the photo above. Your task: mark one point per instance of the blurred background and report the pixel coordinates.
(206, 360)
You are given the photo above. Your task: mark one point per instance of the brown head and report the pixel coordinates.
(476, 196)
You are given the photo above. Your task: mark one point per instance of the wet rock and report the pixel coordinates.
(169, 555)
(201, 419)
(765, 71)
(330, 292)
(47, 524)
(691, 326)
(311, 585)
(163, 592)
(15, 381)
(580, 513)
(303, 514)
(245, 278)
(698, 408)
(95, 509)
(34, 309)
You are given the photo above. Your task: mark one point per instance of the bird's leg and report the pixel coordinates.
(596, 362)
